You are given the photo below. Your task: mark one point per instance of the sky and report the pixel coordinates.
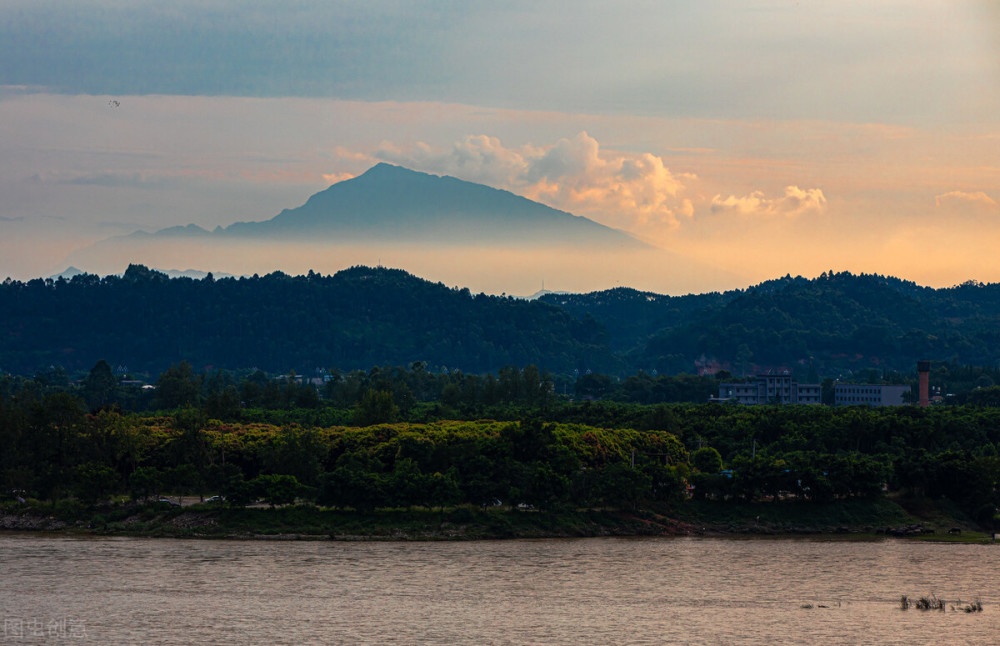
(744, 140)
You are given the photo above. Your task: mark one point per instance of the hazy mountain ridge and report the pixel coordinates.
(434, 225)
(197, 274)
(392, 203)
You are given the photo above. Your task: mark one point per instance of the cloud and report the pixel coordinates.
(342, 153)
(685, 59)
(333, 178)
(796, 202)
(476, 158)
(620, 189)
(104, 179)
(960, 199)
(176, 179)
(120, 180)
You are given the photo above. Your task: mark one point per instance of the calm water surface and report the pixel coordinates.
(588, 591)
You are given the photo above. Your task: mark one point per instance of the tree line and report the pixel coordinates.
(357, 445)
(837, 324)
(357, 318)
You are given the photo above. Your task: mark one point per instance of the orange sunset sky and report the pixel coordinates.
(745, 140)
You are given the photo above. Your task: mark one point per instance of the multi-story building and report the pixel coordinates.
(868, 395)
(770, 389)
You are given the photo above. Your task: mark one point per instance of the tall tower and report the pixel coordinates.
(923, 376)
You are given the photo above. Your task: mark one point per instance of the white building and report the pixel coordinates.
(770, 389)
(868, 395)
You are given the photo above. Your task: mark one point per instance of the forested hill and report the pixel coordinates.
(357, 318)
(836, 322)
(634, 316)
(364, 317)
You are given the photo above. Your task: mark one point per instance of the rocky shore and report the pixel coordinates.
(310, 523)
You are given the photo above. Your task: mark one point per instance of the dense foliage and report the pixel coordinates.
(355, 319)
(837, 325)
(331, 430)
(357, 447)
(55, 450)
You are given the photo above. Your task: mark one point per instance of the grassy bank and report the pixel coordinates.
(305, 521)
(917, 519)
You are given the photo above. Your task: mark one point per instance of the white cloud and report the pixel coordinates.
(476, 158)
(796, 202)
(341, 152)
(960, 199)
(121, 180)
(333, 178)
(632, 191)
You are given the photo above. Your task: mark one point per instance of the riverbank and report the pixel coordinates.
(925, 520)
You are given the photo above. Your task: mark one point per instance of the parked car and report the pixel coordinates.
(172, 503)
(216, 499)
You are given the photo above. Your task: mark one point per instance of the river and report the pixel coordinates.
(56, 589)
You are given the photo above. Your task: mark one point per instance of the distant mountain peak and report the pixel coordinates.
(544, 292)
(385, 167)
(386, 172)
(67, 273)
(391, 206)
(390, 203)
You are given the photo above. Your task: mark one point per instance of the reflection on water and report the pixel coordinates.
(588, 591)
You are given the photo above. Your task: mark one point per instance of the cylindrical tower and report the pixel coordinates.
(923, 376)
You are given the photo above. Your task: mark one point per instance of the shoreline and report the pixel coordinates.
(844, 520)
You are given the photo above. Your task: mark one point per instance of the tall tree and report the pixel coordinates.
(177, 386)
(99, 387)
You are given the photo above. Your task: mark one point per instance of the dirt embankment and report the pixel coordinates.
(858, 518)
(31, 522)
